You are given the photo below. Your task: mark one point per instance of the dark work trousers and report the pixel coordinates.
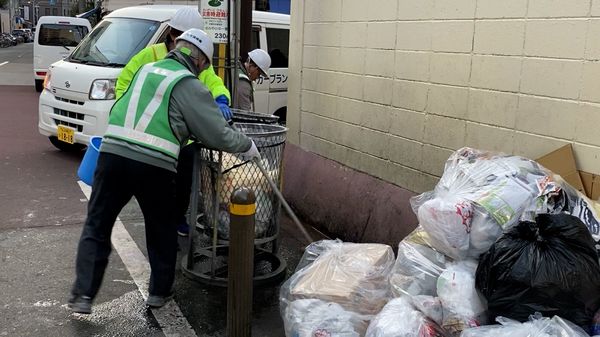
(185, 166)
(116, 180)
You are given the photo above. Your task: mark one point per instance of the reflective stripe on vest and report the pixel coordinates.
(123, 125)
(144, 138)
(156, 100)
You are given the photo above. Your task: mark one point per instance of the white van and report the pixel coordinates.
(79, 90)
(55, 38)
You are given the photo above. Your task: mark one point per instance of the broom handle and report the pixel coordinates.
(287, 207)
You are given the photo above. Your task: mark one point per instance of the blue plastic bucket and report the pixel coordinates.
(88, 164)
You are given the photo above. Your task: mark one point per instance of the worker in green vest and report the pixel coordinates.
(184, 19)
(146, 129)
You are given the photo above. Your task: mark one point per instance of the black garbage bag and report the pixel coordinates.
(548, 266)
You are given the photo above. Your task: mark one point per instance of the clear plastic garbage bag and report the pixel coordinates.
(316, 318)
(536, 327)
(462, 306)
(399, 318)
(417, 266)
(354, 275)
(564, 198)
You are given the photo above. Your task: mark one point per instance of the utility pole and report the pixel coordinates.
(11, 15)
(245, 28)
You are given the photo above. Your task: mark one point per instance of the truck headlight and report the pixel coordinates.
(47, 80)
(102, 89)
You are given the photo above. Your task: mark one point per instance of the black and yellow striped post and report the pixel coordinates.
(241, 262)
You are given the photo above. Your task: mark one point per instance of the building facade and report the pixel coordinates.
(4, 21)
(27, 12)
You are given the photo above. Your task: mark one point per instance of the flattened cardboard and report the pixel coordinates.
(562, 162)
(591, 183)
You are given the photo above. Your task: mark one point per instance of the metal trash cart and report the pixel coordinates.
(218, 174)
(243, 116)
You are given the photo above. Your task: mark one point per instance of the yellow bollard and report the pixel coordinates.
(241, 262)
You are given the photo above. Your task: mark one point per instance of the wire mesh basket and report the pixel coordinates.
(243, 116)
(221, 173)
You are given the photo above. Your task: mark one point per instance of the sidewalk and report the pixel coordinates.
(37, 270)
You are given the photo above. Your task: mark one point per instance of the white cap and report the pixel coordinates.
(186, 18)
(262, 59)
(200, 39)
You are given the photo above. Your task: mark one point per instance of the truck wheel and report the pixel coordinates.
(39, 85)
(66, 146)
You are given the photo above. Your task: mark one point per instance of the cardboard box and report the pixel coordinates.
(562, 162)
(591, 184)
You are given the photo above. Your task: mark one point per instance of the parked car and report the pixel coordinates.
(20, 38)
(29, 33)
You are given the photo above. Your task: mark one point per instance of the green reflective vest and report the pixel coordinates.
(141, 116)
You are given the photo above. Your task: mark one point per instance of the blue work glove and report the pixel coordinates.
(223, 104)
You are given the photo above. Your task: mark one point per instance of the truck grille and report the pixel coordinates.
(69, 114)
(68, 100)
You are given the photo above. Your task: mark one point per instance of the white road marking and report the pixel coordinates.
(171, 319)
(3, 63)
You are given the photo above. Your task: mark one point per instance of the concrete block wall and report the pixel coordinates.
(392, 87)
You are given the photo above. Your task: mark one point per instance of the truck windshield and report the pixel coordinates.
(114, 41)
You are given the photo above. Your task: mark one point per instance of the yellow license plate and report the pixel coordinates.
(66, 134)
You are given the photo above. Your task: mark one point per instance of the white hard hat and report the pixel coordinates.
(262, 59)
(186, 18)
(200, 39)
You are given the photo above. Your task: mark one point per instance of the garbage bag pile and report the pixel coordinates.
(499, 236)
(481, 193)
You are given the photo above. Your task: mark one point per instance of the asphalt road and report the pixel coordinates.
(16, 65)
(42, 210)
